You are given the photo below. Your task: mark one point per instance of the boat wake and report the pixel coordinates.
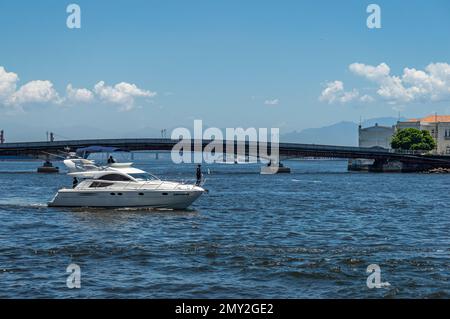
(119, 210)
(12, 205)
(304, 181)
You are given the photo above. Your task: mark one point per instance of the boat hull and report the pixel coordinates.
(48, 169)
(119, 199)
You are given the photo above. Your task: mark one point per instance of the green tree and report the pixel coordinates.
(413, 139)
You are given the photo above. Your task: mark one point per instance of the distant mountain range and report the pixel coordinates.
(21, 133)
(342, 133)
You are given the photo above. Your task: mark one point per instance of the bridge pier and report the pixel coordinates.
(393, 161)
(275, 168)
(414, 167)
(379, 166)
(389, 166)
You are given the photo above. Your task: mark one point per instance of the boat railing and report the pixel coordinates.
(132, 185)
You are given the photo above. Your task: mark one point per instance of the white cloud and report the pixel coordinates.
(40, 91)
(366, 98)
(390, 87)
(8, 83)
(329, 94)
(429, 85)
(272, 102)
(374, 73)
(34, 92)
(349, 96)
(433, 83)
(334, 92)
(122, 93)
(79, 95)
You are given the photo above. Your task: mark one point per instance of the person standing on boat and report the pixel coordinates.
(111, 160)
(199, 175)
(74, 182)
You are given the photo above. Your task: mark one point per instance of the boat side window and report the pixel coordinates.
(144, 177)
(115, 178)
(100, 184)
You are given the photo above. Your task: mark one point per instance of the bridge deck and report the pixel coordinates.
(291, 150)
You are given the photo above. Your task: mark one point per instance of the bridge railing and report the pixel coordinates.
(36, 149)
(408, 152)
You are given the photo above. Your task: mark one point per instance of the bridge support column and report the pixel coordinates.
(386, 166)
(275, 168)
(415, 167)
(359, 164)
(378, 165)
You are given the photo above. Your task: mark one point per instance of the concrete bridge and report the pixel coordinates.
(409, 161)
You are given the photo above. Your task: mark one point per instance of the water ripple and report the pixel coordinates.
(310, 234)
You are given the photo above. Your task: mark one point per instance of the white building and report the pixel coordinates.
(437, 125)
(376, 136)
(373, 136)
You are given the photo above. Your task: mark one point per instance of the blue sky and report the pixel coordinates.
(231, 63)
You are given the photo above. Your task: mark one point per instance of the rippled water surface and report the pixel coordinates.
(308, 234)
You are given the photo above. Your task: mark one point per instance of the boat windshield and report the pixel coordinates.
(144, 177)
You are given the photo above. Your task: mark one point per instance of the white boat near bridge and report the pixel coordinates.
(121, 185)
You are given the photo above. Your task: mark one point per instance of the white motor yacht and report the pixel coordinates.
(120, 185)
